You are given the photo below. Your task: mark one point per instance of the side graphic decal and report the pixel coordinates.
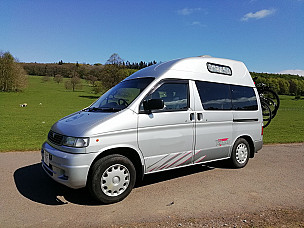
(221, 142)
(199, 156)
(175, 160)
(171, 161)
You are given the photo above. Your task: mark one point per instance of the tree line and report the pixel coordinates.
(101, 77)
(68, 70)
(283, 84)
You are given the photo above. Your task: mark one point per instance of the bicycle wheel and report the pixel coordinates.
(266, 114)
(272, 99)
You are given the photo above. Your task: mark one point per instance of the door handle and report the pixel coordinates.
(192, 116)
(199, 116)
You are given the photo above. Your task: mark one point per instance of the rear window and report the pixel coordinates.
(243, 98)
(217, 96)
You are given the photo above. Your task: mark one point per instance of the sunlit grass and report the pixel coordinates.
(26, 128)
(288, 124)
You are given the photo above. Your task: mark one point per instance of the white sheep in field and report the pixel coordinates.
(23, 105)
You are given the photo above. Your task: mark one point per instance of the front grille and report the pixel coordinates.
(55, 138)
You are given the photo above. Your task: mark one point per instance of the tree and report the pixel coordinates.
(58, 78)
(73, 83)
(12, 75)
(98, 88)
(301, 87)
(92, 79)
(110, 76)
(293, 87)
(83, 70)
(283, 85)
(274, 84)
(76, 82)
(115, 60)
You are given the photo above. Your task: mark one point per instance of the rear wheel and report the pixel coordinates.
(112, 178)
(240, 153)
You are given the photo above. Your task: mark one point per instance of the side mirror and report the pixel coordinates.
(153, 104)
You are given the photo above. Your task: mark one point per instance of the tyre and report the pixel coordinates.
(240, 153)
(267, 116)
(112, 178)
(272, 99)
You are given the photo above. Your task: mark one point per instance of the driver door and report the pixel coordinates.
(166, 136)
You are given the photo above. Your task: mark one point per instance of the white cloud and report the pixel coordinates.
(294, 72)
(188, 11)
(198, 23)
(259, 14)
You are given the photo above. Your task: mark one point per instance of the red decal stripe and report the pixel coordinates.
(223, 140)
(200, 159)
(184, 161)
(179, 159)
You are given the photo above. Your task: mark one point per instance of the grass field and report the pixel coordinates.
(27, 128)
(288, 125)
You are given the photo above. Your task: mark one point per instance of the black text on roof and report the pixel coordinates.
(219, 69)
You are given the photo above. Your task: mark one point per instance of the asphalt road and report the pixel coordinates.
(273, 180)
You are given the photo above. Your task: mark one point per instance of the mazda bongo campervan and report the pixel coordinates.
(174, 114)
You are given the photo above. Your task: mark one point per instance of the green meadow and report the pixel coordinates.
(26, 128)
(288, 124)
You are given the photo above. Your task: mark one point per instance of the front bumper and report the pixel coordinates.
(67, 168)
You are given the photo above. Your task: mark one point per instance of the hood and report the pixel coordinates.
(79, 123)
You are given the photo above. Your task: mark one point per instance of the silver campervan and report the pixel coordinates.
(174, 114)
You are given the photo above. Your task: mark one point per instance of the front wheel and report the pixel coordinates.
(240, 153)
(112, 178)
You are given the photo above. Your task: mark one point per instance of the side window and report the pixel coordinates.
(174, 95)
(214, 96)
(243, 98)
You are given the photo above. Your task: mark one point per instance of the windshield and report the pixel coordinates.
(121, 95)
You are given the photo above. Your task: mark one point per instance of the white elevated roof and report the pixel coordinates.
(195, 68)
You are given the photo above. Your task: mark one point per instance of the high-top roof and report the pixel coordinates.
(204, 68)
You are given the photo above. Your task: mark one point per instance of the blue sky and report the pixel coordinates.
(268, 35)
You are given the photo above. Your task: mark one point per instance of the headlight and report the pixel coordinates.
(75, 142)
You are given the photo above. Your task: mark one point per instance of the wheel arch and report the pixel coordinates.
(250, 142)
(128, 152)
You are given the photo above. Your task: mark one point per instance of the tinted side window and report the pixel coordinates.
(174, 95)
(243, 98)
(214, 96)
